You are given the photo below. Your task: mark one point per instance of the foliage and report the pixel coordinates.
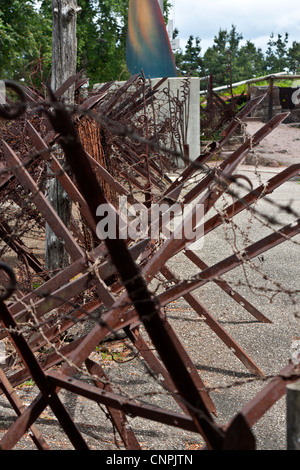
(277, 53)
(26, 39)
(24, 42)
(228, 59)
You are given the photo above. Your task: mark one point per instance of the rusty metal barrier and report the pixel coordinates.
(116, 273)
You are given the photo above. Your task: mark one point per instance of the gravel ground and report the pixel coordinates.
(268, 344)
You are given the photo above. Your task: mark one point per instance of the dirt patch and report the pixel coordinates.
(280, 147)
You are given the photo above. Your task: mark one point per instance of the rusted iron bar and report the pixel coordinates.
(37, 373)
(230, 164)
(22, 424)
(217, 328)
(42, 204)
(270, 394)
(60, 292)
(60, 174)
(230, 263)
(126, 405)
(135, 284)
(18, 406)
(17, 245)
(215, 147)
(118, 416)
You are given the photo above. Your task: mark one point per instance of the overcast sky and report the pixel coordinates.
(255, 19)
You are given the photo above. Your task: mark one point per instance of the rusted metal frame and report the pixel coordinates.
(134, 161)
(244, 203)
(233, 261)
(42, 204)
(106, 176)
(228, 165)
(111, 103)
(135, 285)
(228, 289)
(33, 411)
(109, 300)
(137, 104)
(215, 147)
(135, 158)
(37, 373)
(118, 416)
(18, 407)
(125, 107)
(126, 405)
(145, 351)
(17, 245)
(270, 394)
(156, 366)
(130, 178)
(60, 174)
(217, 328)
(67, 84)
(90, 103)
(65, 352)
(220, 182)
(65, 292)
(22, 424)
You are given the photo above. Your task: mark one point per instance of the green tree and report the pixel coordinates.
(24, 41)
(293, 58)
(277, 53)
(229, 61)
(190, 62)
(216, 58)
(251, 61)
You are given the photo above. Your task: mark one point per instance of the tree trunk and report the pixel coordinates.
(64, 57)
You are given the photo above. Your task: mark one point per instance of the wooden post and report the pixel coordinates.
(271, 92)
(293, 416)
(64, 57)
(248, 91)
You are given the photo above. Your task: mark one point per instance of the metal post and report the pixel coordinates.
(293, 416)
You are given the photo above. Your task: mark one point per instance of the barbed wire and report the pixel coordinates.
(23, 225)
